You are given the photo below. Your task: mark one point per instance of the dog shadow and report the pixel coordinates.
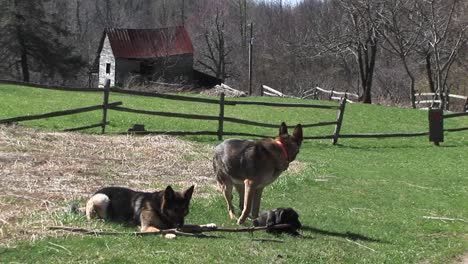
(348, 235)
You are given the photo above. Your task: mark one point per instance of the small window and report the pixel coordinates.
(108, 68)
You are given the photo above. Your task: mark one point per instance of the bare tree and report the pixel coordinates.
(401, 33)
(357, 36)
(443, 36)
(216, 57)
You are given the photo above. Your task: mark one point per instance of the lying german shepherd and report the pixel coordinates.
(250, 165)
(153, 211)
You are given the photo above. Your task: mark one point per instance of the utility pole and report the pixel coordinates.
(250, 58)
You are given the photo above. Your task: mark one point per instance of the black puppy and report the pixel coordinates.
(280, 216)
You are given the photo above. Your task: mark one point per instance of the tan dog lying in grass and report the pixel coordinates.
(152, 211)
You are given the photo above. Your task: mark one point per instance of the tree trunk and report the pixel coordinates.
(366, 59)
(24, 56)
(429, 72)
(24, 65)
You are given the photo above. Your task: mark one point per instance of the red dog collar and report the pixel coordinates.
(281, 145)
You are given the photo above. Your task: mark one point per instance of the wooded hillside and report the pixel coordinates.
(385, 51)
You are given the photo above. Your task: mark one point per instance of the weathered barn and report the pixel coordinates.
(151, 54)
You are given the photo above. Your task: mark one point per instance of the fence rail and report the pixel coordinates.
(56, 113)
(221, 118)
(435, 100)
(331, 95)
(51, 87)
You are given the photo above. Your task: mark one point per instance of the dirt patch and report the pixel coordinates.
(463, 259)
(42, 172)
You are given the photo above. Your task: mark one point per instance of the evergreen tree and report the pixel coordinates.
(33, 40)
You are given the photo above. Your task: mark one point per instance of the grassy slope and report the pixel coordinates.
(378, 189)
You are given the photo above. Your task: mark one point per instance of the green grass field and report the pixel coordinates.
(362, 201)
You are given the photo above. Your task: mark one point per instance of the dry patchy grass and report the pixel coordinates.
(42, 172)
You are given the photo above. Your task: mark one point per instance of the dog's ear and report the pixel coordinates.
(188, 193)
(283, 130)
(297, 134)
(169, 193)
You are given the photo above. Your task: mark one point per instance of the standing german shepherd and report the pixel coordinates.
(153, 211)
(250, 165)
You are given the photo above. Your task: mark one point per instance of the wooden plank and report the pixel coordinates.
(245, 134)
(248, 122)
(83, 127)
(456, 115)
(175, 133)
(283, 104)
(57, 113)
(335, 92)
(328, 123)
(450, 95)
(339, 121)
(105, 106)
(221, 117)
(425, 94)
(271, 90)
(384, 135)
(260, 124)
(270, 94)
(170, 96)
(156, 113)
(458, 96)
(456, 129)
(323, 90)
(51, 87)
(214, 133)
(319, 137)
(427, 101)
(195, 133)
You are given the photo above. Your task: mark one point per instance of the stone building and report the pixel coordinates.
(164, 54)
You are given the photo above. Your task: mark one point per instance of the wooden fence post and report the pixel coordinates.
(466, 105)
(221, 117)
(331, 94)
(339, 120)
(436, 125)
(105, 104)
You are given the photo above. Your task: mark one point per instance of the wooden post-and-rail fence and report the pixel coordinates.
(431, 100)
(104, 107)
(221, 118)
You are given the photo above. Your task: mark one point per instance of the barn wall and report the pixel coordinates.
(178, 69)
(173, 69)
(106, 56)
(124, 69)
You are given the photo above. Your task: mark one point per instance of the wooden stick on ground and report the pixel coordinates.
(187, 230)
(98, 232)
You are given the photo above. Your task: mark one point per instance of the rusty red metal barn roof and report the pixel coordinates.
(149, 43)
